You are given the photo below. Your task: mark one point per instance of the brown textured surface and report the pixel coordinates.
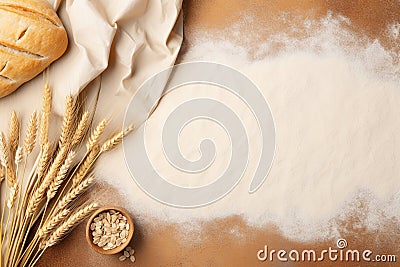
(214, 244)
(162, 244)
(259, 20)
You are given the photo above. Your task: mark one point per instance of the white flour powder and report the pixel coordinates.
(337, 116)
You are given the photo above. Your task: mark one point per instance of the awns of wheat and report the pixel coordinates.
(39, 207)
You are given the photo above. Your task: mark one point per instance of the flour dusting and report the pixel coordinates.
(336, 107)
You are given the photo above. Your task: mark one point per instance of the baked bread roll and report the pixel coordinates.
(31, 37)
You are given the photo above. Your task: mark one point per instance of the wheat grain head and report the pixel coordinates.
(86, 165)
(81, 129)
(70, 223)
(13, 134)
(56, 183)
(30, 138)
(116, 139)
(45, 116)
(96, 134)
(66, 131)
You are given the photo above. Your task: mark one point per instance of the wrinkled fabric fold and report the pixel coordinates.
(120, 43)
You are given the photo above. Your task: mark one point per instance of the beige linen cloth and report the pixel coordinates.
(113, 46)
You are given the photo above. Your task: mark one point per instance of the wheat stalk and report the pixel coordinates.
(45, 116)
(5, 161)
(13, 195)
(19, 155)
(86, 165)
(43, 160)
(30, 139)
(95, 136)
(116, 139)
(74, 193)
(53, 222)
(18, 159)
(13, 133)
(3, 150)
(53, 182)
(2, 174)
(38, 195)
(56, 183)
(70, 223)
(68, 121)
(81, 129)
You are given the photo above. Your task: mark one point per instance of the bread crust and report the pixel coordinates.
(31, 38)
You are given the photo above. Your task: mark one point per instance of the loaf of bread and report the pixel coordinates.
(31, 37)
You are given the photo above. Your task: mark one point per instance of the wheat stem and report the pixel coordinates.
(38, 195)
(56, 183)
(5, 160)
(68, 121)
(45, 116)
(96, 134)
(2, 173)
(39, 209)
(81, 129)
(43, 161)
(53, 223)
(30, 139)
(116, 139)
(74, 193)
(14, 191)
(13, 195)
(86, 165)
(70, 223)
(13, 133)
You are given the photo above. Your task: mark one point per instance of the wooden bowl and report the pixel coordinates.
(89, 235)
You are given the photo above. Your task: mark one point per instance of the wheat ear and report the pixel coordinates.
(116, 139)
(86, 165)
(19, 155)
(3, 150)
(70, 223)
(5, 160)
(53, 222)
(74, 193)
(30, 139)
(2, 174)
(45, 116)
(95, 136)
(13, 195)
(81, 129)
(13, 133)
(68, 121)
(43, 160)
(38, 195)
(56, 183)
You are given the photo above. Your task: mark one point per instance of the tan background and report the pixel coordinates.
(162, 244)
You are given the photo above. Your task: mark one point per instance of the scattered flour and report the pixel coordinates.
(394, 30)
(336, 109)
